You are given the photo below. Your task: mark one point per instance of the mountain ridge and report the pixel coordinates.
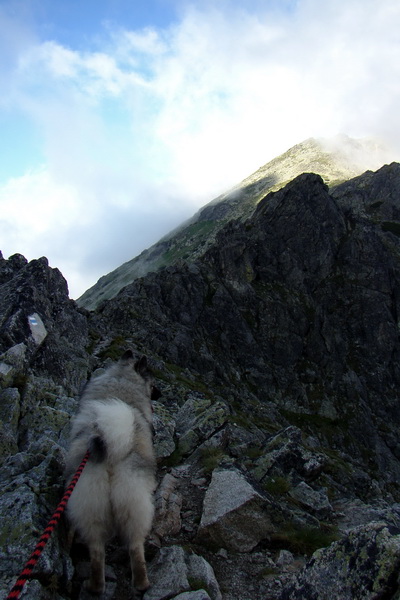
(335, 160)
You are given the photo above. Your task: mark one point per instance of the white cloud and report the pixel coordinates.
(141, 129)
(34, 209)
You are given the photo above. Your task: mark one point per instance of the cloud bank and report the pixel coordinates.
(141, 127)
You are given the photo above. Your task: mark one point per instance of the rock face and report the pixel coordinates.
(277, 355)
(296, 310)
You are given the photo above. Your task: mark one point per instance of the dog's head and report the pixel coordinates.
(142, 368)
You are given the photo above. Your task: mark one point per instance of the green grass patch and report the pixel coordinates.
(304, 540)
(188, 241)
(254, 452)
(211, 458)
(195, 385)
(312, 422)
(277, 486)
(115, 349)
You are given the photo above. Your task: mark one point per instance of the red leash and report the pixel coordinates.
(51, 525)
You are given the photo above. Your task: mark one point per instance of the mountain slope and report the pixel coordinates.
(296, 310)
(335, 160)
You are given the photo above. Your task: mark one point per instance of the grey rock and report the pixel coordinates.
(285, 454)
(197, 420)
(363, 566)
(9, 418)
(5, 374)
(355, 513)
(19, 515)
(235, 516)
(314, 501)
(168, 504)
(284, 559)
(24, 499)
(12, 364)
(202, 575)
(174, 571)
(164, 427)
(33, 590)
(198, 595)
(44, 421)
(57, 337)
(168, 574)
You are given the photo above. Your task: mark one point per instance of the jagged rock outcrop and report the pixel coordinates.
(285, 454)
(35, 310)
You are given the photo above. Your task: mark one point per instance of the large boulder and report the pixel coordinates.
(235, 515)
(362, 566)
(174, 571)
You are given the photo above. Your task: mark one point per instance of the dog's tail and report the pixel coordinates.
(97, 449)
(112, 431)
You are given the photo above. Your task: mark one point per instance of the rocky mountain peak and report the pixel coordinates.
(336, 160)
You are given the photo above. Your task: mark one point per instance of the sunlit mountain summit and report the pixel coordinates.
(336, 160)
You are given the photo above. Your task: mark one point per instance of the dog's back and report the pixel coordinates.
(114, 492)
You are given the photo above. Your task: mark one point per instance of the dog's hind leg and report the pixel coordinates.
(140, 580)
(133, 506)
(96, 582)
(89, 511)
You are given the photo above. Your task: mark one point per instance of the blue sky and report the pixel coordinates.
(120, 118)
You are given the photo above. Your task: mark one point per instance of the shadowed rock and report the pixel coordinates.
(363, 566)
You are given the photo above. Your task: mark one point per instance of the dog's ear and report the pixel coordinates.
(155, 393)
(142, 368)
(127, 356)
